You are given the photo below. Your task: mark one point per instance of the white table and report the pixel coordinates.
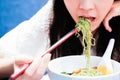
(46, 77)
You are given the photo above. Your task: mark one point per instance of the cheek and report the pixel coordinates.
(71, 9)
(105, 8)
(102, 11)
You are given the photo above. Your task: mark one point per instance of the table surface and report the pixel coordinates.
(46, 77)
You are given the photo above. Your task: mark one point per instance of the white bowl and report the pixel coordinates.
(71, 63)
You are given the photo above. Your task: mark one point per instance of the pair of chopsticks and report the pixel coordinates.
(59, 42)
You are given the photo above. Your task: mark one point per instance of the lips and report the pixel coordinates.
(90, 18)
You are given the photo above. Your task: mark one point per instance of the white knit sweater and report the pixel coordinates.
(31, 36)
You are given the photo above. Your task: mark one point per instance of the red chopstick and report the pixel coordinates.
(59, 42)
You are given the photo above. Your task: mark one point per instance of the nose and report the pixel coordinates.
(86, 5)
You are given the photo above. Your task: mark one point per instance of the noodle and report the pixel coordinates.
(84, 25)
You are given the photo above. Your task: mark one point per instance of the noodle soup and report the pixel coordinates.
(70, 64)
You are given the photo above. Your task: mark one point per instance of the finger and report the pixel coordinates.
(42, 68)
(106, 21)
(19, 70)
(29, 72)
(23, 60)
(19, 78)
(23, 77)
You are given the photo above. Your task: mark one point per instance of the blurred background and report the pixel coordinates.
(13, 12)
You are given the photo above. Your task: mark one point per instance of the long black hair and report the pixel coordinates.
(104, 37)
(63, 23)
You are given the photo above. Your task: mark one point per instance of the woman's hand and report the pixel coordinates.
(36, 69)
(114, 11)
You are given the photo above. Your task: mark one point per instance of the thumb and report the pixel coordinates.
(23, 60)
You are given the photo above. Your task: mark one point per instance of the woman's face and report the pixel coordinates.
(95, 10)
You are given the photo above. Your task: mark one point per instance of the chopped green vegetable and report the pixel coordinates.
(66, 73)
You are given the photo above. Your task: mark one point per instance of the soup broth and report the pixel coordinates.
(94, 71)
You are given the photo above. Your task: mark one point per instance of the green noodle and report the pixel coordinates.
(88, 72)
(84, 26)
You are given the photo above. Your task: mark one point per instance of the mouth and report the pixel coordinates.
(90, 18)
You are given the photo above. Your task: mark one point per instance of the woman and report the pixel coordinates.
(58, 18)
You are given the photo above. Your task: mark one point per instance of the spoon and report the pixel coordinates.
(105, 65)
